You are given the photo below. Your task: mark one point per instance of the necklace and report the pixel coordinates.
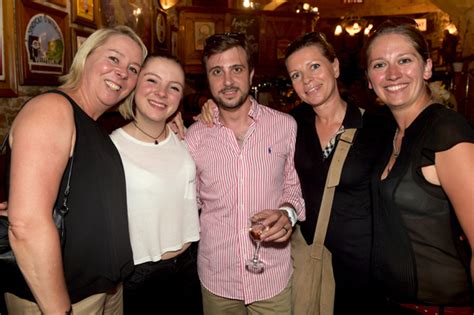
(148, 135)
(395, 153)
(396, 150)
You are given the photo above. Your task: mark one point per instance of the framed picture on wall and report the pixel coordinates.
(77, 38)
(137, 15)
(161, 30)
(42, 44)
(8, 83)
(84, 12)
(202, 30)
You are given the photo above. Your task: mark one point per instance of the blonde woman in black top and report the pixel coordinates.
(48, 130)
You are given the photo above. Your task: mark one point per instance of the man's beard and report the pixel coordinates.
(221, 103)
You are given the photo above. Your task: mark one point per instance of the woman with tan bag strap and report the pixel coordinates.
(313, 279)
(344, 214)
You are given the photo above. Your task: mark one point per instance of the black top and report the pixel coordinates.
(97, 253)
(417, 249)
(349, 234)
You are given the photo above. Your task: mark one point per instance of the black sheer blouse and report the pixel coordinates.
(418, 255)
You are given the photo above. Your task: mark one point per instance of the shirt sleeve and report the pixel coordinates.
(192, 142)
(449, 129)
(292, 189)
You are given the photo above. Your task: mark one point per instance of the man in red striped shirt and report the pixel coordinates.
(245, 170)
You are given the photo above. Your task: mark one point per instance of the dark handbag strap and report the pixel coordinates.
(64, 208)
(332, 180)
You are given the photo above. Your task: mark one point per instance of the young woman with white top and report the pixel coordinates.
(161, 197)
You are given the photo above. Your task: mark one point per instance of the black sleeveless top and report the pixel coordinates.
(97, 253)
(418, 256)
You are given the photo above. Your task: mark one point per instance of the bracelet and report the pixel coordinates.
(291, 214)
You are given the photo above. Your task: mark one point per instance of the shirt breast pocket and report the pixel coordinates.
(276, 152)
(268, 163)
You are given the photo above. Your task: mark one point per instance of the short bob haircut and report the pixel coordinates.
(127, 107)
(312, 39)
(95, 40)
(218, 43)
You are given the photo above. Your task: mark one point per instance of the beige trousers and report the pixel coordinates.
(97, 304)
(277, 305)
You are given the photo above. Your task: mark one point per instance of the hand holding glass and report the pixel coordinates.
(256, 230)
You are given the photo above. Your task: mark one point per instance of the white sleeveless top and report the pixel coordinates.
(161, 195)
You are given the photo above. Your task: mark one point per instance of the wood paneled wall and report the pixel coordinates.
(271, 30)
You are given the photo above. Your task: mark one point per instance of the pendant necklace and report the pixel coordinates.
(148, 135)
(396, 150)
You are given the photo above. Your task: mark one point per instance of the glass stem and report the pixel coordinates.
(255, 253)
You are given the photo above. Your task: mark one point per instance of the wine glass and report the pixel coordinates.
(256, 230)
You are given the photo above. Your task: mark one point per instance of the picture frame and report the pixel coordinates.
(42, 45)
(186, 50)
(202, 30)
(8, 78)
(77, 38)
(84, 12)
(161, 33)
(138, 16)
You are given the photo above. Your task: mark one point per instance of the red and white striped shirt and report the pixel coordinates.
(233, 183)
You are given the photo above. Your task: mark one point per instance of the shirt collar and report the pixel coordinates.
(254, 112)
(353, 117)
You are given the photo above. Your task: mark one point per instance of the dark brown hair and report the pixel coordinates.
(218, 43)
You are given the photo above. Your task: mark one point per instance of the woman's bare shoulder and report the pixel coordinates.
(46, 108)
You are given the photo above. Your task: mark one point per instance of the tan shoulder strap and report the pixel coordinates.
(332, 180)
